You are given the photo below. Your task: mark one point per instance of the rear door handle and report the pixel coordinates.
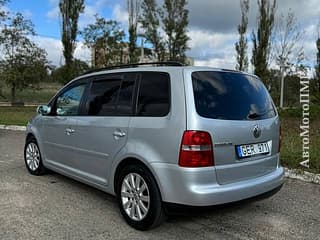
(69, 131)
(118, 133)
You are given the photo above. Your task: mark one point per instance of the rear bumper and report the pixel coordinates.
(198, 187)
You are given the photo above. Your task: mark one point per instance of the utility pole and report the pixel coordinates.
(318, 63)
(282, 83)
(142, 50)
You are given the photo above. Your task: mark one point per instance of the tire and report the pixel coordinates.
(32, 157)
(141, 206)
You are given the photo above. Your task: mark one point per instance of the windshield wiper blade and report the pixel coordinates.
(257, 115)
(253, 116)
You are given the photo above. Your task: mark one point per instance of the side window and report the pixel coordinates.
(68, 103)
(154, 94)
(112, 96)
(103, 97)
(125, 99)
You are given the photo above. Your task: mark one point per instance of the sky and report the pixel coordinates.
(212, 26)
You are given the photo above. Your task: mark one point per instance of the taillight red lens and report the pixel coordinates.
(196, 149)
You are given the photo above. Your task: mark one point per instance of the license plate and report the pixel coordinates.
(253, 149)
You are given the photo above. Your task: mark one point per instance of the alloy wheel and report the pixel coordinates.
(33, 156)
(135, 196)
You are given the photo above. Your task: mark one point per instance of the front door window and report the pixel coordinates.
(68, 103)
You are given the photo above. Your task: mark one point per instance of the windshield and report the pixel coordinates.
(231, 96)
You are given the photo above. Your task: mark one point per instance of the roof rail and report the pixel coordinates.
(230, 70)
(166, 63)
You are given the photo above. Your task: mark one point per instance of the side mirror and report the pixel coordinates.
(44, 110)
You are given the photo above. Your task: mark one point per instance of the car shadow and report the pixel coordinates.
(177, 211)
(174, 212)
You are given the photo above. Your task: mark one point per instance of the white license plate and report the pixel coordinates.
(253, 149)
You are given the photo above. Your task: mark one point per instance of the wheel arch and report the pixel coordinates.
(30, 135)
(133, 161)
(32, 132)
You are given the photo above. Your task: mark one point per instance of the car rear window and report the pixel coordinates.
(231, 96)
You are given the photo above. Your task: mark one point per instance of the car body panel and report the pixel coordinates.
(95, 145)
(198, 187)
(58, 148)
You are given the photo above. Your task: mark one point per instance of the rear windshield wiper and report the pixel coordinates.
(257, 115)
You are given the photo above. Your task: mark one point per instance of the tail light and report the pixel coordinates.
(196, 149)
(279, 144)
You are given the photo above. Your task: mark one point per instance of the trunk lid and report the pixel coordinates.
(237, 110)
(230, 167)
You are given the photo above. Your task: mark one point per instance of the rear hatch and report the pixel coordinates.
(238, 112)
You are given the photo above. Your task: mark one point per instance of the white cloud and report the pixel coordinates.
(309, 42)
(217, 22)
(53, 14)
(27, 13)
(96, 7)
(53, 2)
(212, 49)
(202, 38)
(101, 3)
(55, 50)
(88, 16)
(213, 27)
(120, 14)
(83, 53)
(216, 63)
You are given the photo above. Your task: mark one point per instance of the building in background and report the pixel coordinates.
(101, 56)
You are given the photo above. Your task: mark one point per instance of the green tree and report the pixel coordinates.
(318, 64)
(60, 74)
(70, 11)
(105, 36)
(150, 22)
(133, 10)
(3, 12)
(175, 22)
(3, 18)
(242, 45)
(23, 62)
(261, 39)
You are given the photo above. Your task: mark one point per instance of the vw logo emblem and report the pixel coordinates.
(256, 131)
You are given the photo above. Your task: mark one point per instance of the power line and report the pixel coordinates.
(48, 36)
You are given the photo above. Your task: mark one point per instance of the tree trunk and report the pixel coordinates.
(1, 93)
(13, 93)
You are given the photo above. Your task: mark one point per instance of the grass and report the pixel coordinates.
(41, 94)
(16, 115)
(291, 147)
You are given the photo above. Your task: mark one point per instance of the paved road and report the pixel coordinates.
(56, 207)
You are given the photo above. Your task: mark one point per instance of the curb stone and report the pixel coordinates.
(302, 175)
(289, 173)
(13, 127)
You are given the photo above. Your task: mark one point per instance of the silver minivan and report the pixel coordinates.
(160, 134)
